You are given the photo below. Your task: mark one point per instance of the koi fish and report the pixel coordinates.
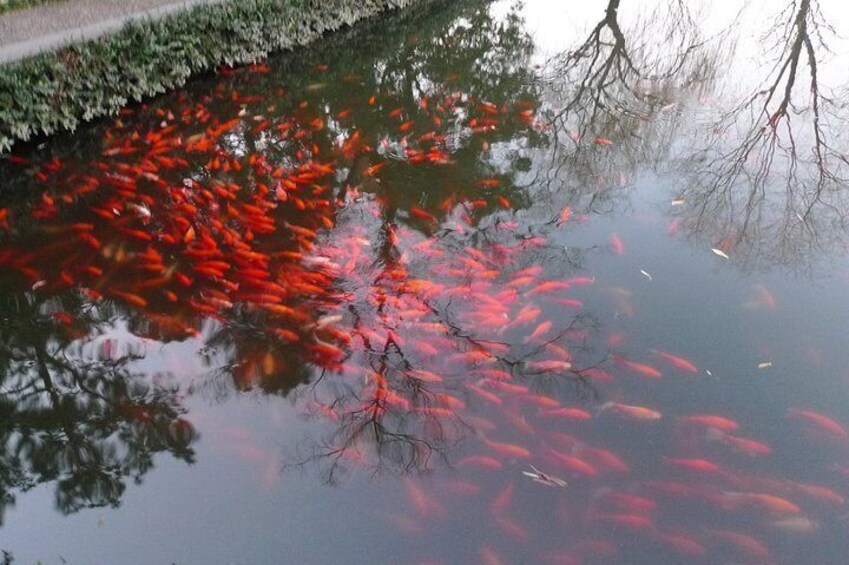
(540, 331)
(698, 465)
(766, 502)
(823, 422)
(682, 544)
(823, 494)
(631, 521)
(573, 463)
(605, 459)
(627, 502)
(549, 286)
(540, 367)
(634, 412)
(423, 215)
(747, 446)
(482, 461)
(424, 505)
(508, 449)
(796, 525)
(673, 227)
(565, 413)
(564, 215)
(720, 253)
(677, 362)
(616, 244)
(716, 422)
(742, 542)
(640, 368)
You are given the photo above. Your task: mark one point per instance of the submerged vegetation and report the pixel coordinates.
(57, 91)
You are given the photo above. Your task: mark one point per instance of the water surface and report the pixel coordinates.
(459, 286)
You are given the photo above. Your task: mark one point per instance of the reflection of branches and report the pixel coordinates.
(770, 106)
(620, 86)
(85, 425)
(412, 407)
(782, 132)
(605, 75)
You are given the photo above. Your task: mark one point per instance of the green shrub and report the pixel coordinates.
(58, 90)
(9, 5)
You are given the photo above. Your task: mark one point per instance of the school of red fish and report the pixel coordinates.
(445, 321)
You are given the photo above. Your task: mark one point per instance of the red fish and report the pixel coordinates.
(820, 420)
(604, 459)
(540, 331)
(552, 366)
(629, 502)
(634, 412)
(616, 244)
(631, 521)
(565, 413)
(423, 215)
(678, 362)
(640, 368)
(698, 465)
(508, 449)
(709, 421)
(131, 298)
(424, 504)
(742, 542)
(747, 446)
(683, 544)
(482, 461)
(573, 463)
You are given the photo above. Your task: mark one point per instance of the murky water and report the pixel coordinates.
(486, 283)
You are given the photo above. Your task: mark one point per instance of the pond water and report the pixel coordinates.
(480, 283)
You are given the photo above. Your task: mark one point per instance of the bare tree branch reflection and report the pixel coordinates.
(771, 183)
(621, 86)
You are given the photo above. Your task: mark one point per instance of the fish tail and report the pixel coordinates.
(606, 406)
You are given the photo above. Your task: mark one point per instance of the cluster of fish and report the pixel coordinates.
(446, 336)
(443, 328)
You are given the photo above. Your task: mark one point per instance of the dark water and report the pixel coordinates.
(475, 285)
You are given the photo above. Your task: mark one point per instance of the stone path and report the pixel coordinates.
(32, 30)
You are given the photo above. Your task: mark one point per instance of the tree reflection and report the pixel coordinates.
(288, 234)
(387, 413)
(360, 241)
(623, 86)
(771, 183)
(77, 415)
(768, 180)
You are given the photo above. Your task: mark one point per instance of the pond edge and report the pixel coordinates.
(59, 90)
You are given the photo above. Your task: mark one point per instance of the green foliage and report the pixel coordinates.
(9, 5)
(56, 91)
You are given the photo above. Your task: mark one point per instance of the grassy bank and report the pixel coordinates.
(9, 5)
(58, 90)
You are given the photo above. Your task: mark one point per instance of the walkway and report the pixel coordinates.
(30, 31)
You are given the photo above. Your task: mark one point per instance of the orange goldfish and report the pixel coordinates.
(634, 412)
(678, 362)
(820, 420)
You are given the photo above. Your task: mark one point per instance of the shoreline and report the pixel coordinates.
(58, 90)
